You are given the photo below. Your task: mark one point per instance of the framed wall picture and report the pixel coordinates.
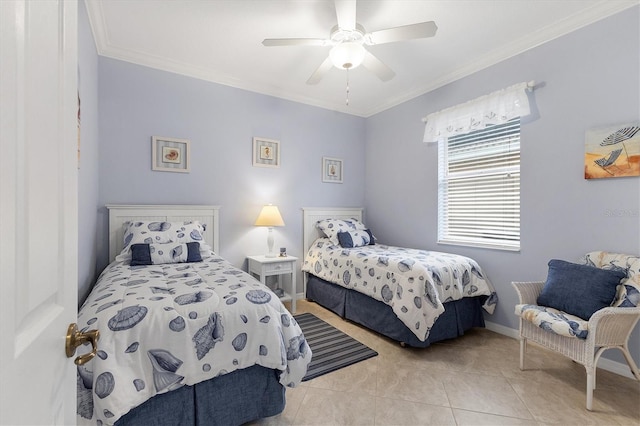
(170, 155)
(612, 151)
(266, 152)
(332, 170)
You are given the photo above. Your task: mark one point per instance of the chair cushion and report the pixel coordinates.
(554, 321)
(579, 290)
(628, 291)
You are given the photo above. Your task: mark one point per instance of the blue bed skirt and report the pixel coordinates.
(459, 315)
(233, 399)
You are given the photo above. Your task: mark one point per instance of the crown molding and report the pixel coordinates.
(589, 16)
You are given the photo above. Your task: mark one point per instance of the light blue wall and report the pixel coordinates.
(88, 170)
(589, 79)
(137, 103)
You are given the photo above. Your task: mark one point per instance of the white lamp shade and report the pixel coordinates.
(347, 55)
(269, 216)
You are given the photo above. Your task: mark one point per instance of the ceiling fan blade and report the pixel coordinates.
(406, 32)
(346, 13)
(376, 66)
(295, 42)
(320, 71)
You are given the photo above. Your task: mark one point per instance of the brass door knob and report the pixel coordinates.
(76, 338)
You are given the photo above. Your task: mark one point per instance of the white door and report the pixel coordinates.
(38, 209)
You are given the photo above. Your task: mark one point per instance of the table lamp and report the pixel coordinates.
(269, 216)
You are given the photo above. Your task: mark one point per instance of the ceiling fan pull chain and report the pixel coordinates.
(347, 86)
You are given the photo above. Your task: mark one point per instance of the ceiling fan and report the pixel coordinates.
(348, 39)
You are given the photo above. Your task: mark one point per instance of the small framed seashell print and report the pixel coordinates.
(266, 152)
(332, 170)
(170, 155)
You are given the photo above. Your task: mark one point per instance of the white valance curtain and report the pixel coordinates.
(495, 108)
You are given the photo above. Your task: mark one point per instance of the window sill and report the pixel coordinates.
(479, 245)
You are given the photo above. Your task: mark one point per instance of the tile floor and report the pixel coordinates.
(472, 380)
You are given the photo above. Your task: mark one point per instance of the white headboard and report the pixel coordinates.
(311, 215)
(121, 213)
(310, 233)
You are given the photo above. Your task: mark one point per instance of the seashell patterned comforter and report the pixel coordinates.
(415, 283)
(165, 326)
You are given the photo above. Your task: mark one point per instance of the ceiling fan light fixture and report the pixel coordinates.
(347, 55)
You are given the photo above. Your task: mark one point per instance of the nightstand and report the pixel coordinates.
(262, 267)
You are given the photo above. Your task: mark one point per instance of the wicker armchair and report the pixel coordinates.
(607, 328)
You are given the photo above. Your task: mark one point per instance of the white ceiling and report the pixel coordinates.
(221, 41)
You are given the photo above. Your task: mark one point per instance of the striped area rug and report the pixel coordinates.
(332, 349)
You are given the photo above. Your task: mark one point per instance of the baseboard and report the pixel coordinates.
(604, 363)
(501, 329)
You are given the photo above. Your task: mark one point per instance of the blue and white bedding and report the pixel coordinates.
(415, 283)
(168, 325)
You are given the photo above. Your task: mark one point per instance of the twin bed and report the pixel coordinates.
(189, 339)
(415, 297)
(186, 338)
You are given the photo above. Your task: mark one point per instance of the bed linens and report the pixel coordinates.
(415, 283)
(165, 326)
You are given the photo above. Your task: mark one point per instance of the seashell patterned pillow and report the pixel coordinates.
(628, 292)
(162, 233)
(331, 227)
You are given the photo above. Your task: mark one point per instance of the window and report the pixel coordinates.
(479, 188)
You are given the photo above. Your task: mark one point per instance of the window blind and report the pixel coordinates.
(479, 188)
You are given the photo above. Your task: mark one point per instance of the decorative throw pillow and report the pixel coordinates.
(158, 254)
(352, 239)
(577, 289)
(331, 227)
